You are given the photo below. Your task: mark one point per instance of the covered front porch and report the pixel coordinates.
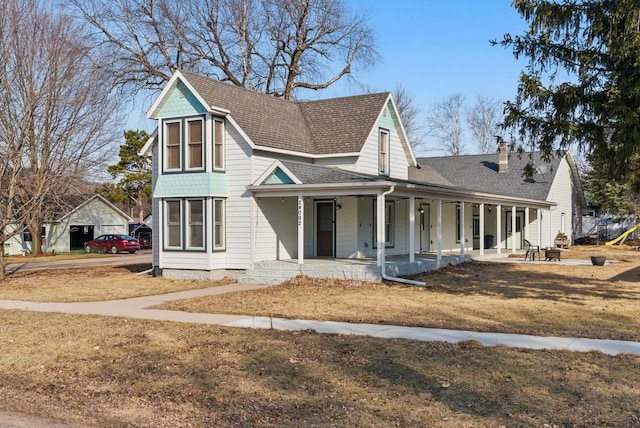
(380, 229)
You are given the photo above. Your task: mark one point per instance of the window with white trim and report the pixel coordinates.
(218, 144)
(195, 224)
(389, 224)
(383, 151)
(195, 138)
(173, 224)
(218, 224)
(172, 145)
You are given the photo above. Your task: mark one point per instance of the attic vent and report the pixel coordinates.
(385, 112)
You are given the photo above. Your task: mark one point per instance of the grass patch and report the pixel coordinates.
(541, 298)
(132, 373)
(51, 257)
(92, 284)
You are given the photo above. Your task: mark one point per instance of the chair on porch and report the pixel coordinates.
(531, 250)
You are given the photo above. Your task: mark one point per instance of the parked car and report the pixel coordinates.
(113, 244)
(144, 242)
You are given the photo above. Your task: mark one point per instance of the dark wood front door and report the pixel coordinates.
(324, 229)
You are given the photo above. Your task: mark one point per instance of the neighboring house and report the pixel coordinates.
(95, 216)
(241, 177)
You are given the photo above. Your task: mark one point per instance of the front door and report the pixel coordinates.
(518, 231)
(325, 228)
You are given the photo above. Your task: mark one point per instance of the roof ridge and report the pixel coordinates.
(236, 87)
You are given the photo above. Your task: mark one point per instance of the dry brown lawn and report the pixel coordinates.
(112, 372)
(89, 284)
(528, 298)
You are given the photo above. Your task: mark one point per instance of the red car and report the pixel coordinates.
(112, 244)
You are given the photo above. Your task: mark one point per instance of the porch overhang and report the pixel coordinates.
(401, 189)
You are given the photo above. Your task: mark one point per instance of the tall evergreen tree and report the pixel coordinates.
(134, 187)
(582, 82)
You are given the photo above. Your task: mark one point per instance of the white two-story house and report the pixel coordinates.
(242, 178)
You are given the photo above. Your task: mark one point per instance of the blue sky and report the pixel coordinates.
(433, 48)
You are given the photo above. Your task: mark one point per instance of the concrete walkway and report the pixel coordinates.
(137, 308)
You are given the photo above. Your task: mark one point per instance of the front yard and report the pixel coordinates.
(119, 372)
(530, 298)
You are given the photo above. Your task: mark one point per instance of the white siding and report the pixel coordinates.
(158, 231)
(346, 232)
(238, 204)
(346, 163)
(561, 192)
(368, 161)
(185, 260)
(276, 231)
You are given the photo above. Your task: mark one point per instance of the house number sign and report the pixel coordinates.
(300, 202)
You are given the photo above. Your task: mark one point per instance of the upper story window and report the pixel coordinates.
(383, 151)
(195, 139)
(172, 143)
(184, 147)
(218, 144)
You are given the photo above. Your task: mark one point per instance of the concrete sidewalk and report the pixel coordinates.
(137, 308)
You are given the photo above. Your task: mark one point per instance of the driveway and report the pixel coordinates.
(140, 257)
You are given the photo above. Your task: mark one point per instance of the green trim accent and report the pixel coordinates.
(190, 184)
(278, 176)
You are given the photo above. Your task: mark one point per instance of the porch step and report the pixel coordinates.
(275, 272)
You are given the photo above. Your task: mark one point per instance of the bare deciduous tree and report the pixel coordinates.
(409, 114)
(272, 46)
(444, 123)
(61, 114)
(483, 118)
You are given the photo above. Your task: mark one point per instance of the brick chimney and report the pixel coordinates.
(503, 159)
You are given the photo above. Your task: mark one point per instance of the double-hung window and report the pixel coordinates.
(173, 231)
(195, 225)
(218, 224)
(195, 139)
(389, 224)
(383, 151)
(173, 146)
(218, 144)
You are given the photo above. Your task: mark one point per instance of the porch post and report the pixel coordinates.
(498, 227)
(482, 228)
(300, 230)
(461, 228)
(380, 229)
(539, 222)
(439, 233)
(412, 229)
(513, 229)
(526, 224)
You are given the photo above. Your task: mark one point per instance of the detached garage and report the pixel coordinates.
(94, 217)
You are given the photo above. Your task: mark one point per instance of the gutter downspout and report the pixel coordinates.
(382, 253)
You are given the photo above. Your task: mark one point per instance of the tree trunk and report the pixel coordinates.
(35, 228)
(2, 272)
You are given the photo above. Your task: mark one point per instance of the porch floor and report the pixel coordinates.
(276, 271)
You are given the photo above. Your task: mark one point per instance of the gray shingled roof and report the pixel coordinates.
(480, 173)
(314, 174)
(337, 125)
